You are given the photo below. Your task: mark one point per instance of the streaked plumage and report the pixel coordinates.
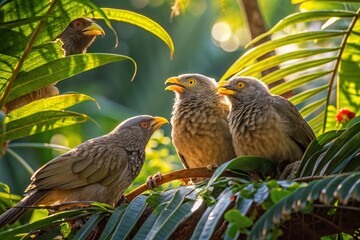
(200, 131)
(263, 124)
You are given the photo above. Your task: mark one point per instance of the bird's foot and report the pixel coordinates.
(290, 171)
(211, 168)
(151, 181)
(122, 200)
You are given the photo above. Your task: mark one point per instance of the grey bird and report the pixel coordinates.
(262, 124)
(200, 130)
(100, 169)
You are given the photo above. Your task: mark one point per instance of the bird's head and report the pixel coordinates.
(244, 89)
(138, 130)
(188, 85)
(79, 35)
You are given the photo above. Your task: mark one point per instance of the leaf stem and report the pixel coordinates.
(24, 56)
(22, 161)
(336, 66)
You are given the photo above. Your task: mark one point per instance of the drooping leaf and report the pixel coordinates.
(137, 20)
(130, 217)
(61, 69)
(59, 102)
(89, 226)
(41, 122)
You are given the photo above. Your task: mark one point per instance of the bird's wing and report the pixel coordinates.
(295, 126)
(183, 161)
(89, 163)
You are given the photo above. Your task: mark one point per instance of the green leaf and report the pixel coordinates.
(295, 83)
(130, 217)
(89, 226)
(20, 22)
(269, 46)
(41, 122)
(112, 222)
(178, 216)
(301, 17)
(310, 108)
(234, 216)
(61, 69)
(56, 218)
(299, 98)
(245, 163)
(301, 198)
(208, 228)
(137, 20)
(59, 102)
(149, 223)
(276, 60)
(294, 68)
(341, 147)
(170, 211)
(348, 86)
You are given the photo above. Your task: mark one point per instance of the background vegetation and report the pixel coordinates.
(318, 54)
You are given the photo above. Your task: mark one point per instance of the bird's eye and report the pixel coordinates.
(241, 85)
(191, 82)
(144, 124)
(77, 24)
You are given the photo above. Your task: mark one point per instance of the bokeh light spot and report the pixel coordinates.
(221, 31)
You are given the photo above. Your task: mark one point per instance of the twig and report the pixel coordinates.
(177, 175)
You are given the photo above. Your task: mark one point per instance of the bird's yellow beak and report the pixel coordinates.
(157, 122)
(174, 84)
(93, 30)
(223, 88)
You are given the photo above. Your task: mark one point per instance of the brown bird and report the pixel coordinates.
(200, 130)
(76, 38)
(79, 35)
(100, 169)
(263, 124)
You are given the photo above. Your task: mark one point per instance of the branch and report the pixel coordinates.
(177, 175)
(257, 27)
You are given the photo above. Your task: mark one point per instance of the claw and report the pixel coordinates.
(211, 167)
(151, 181)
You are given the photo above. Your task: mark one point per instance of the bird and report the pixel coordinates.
(76, 39)
(100, 169)
(200, 131)
(264, 125)
(79, 35)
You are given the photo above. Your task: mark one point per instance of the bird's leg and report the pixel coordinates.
(151, 181)
(289, 171)
(211, 168)
(122, 200)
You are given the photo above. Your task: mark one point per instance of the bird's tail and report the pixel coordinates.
(11, 215)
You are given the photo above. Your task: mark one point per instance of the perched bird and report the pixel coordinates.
(200, 130)
(76, 38)
(79, 35)
(262, 124)
(100, 169)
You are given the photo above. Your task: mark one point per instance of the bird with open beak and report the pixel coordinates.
(200, 131)
(100, 169)
(264, 125)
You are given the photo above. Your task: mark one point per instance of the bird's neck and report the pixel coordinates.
(136, 160)
(197, 105)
